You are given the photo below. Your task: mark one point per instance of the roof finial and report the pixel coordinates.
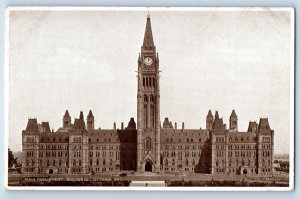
(148, 15)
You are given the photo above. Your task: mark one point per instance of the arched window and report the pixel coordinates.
(148, 144)
(79, 162)
(91, 162)
(145, 98)
(74, 162)
(248, 162)
(59, 162)
(53, 162)
(143, 81)
(145, 116)
(97, 162)
(187, 162)
(151, 98)
(103, 162)
(147, 81)
(173, 162)
(153, 81)
(152, 115)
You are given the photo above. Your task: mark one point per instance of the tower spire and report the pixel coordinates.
(148, 43)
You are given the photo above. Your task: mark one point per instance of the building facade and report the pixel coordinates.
(147, 145)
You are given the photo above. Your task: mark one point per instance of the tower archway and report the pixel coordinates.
(148, 167)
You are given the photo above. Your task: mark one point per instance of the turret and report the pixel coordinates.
(66, 120)
(90, 121)
(233, 121)
(209, 120)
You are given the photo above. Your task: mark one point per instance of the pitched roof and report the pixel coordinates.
(90, 115)
(79, 124)
(32, 125)
(148, 37)
(233, 114)
(209, 114)
(46, 126)
(131, 124)
(167, 123)
(191, 135)
(252, 126)
(218, 125)
(264, 125)
(67, 114)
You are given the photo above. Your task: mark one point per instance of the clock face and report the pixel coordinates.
(148, 61)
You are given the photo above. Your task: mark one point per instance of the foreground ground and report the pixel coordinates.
(185, 179)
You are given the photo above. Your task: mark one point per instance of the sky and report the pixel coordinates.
(209, 59)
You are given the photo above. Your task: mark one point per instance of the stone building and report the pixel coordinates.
(146, 145)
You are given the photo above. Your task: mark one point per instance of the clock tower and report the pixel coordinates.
(148, 108)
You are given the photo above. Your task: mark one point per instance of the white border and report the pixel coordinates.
(88, 8)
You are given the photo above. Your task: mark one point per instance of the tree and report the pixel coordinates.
(11, 158)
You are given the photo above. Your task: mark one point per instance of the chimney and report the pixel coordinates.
(182, 125)
(175, 125)
(122, 125)
(114, 125)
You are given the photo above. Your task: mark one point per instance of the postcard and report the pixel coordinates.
(129, 98)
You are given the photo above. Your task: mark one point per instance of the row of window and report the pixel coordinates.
(29, 139)
(266, 146)
(54, 146)
(98, 169)
(173, 163)
(53, 154)
(241, 153)
(179, 154)
(104, 154)
(237, 163)
(266, 154)
(148, 82)
(242, 146)
(187, 140)
(98, 162)
(180, 147)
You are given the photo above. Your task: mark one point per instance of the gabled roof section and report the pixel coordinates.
(252, 127)
(131, 124)
(90, 115)
(148, 43)
(167, 124)
(209, 114)
(32, 125)
(233, 114)
(46, 126)
(264, 125)
(218, 123)
(79, 124)
(67, 115)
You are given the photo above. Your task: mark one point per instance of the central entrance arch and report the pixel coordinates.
(148, 167)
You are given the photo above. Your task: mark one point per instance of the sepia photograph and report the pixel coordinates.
(132, 98)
